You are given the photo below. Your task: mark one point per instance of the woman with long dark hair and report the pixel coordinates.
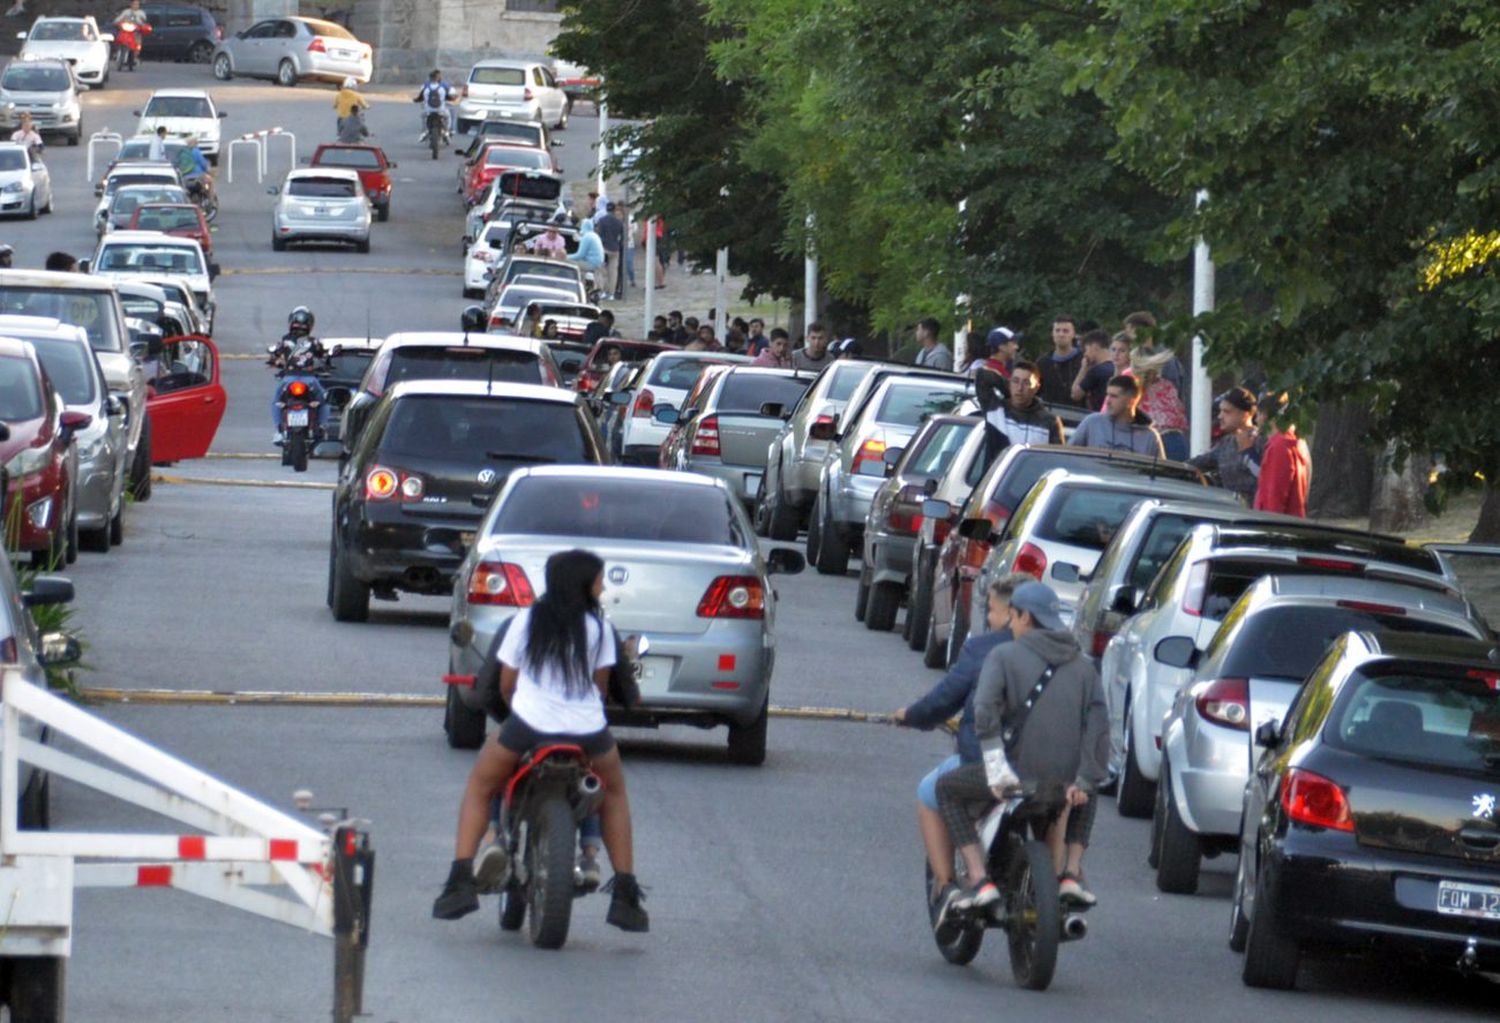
(555, 664)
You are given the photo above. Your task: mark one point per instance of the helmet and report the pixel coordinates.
(350, 83)
(473, 318)
(300, 322)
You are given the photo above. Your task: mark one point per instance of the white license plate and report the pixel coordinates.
(752, 484)
(1480, 901)
(654, 675)
(296, 417)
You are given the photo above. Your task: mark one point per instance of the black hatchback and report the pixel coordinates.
(1370, 822)
(423, 472)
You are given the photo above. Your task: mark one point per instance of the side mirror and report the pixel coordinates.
(48, 589)
(84, 265)
(1268, 734)
(57, 649)
(213, 270)
(976, 529)
(619, 398)
(822, 431)
(392, 166)
(223, 113)
(642, 647)
(20, 35)
(1177, 652)
(1125, 600)
(936, 510)
(73, 421)
(785, 561)
(929, 486)
(456, 152)
(1065, 572)
(891, 457)
(773, 410)
(116, 406)
(665, 414)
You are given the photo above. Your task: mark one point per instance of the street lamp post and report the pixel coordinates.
(603, 147)
(650, 314)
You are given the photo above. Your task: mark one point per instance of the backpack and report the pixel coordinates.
(435, 97)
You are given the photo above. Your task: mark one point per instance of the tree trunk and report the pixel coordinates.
(1398, 504)
(1343, 467)
(1487, 529)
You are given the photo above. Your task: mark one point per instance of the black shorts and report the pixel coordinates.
(519, 737)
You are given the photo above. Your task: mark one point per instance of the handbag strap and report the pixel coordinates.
(1012, 731)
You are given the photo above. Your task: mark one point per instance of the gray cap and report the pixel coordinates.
(1040, 600)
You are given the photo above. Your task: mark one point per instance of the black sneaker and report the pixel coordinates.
(625, 910)
(460, 895)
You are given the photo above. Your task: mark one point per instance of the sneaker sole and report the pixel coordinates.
(490, 874)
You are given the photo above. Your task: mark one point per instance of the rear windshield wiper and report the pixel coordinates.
(515, 456)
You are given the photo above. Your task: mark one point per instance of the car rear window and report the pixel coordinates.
(939, 446)
(1029, 465)
(321, 188)
(178, 106)
(356, 159)
(679, 374)
(845, 380)
(174, 218)
(747, 392)
(618, 509)
(1087, 516)
(20, 396)
(498, 76)
(909, 404)
(151, 259)
(472, 362)
(520, 184)
(94, 311)
(515, 156)
(57, 31)
(628, 352)
(530, 133)
(541, 268)
(328, 28)
(1228, 578)
(350, 365)
(1288, 640)
(476, 430)
(1421, 717)
(70, 367)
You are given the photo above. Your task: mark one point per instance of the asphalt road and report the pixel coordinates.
(787, 892)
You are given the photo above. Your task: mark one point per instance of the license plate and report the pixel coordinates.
(320, 211)
(1480, 901)
(654, 675)
(752, 484)
(296, 417)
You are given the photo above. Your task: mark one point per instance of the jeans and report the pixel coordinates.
(927, 787)
(314, 393)
(630, 266)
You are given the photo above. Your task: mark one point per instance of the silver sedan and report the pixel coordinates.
(682, 570)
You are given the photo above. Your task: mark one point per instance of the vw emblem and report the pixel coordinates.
(486, 477)
(618, 574)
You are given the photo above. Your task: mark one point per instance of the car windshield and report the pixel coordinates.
(12, 160)
(678, 373)
(1087, 516)
(747, 392)
(477, 430)
(909, 404)
(513, 298)
(178, 106)
(126, 200)
(322, 188)
(512, 156)
(20, 395)
(21, 78)
(497, 76)
(94, 311)
(1288, 640)
(144, 258)
(140, 149)
(358, 159)
(328, 28)
(430, 362)
(942, 443)
(58, 32)
(119, 181)
(168, 218)
(618, 509)
(70, 367)
(1421, 716)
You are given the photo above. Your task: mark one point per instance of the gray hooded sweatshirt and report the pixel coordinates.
(1065, 739)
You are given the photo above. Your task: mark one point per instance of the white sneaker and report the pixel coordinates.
(277, 438)
(491, 869)
(1072, 891)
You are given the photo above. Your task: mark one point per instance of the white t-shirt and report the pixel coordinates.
(541, 699)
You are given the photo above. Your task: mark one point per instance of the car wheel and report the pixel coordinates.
(814, 535)
(76, 136)
(30, 213)
(919, 611)
(958, 633)
(48, 208)
(278, 243)
(1239, 926)
(747, 743)
(223, 71)
(833, 549)
(1181, 850)
(1271, 959)
(562, 122)
(464, 727)
(95, 541)
(117, 524)
(201, 53)
(286, 74)
(351, 598)
(885, 604)
(862, 594)
(781, 517)
(383, 211)
(140, 468)
(1137, 793)
(363, 245)
(70, 542)
(933, 652)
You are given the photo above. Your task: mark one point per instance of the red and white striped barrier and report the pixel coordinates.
(260, 141)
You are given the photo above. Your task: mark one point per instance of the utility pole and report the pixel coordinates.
(1201, 415)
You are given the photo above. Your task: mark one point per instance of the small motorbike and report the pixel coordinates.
(438, 135)
(300, 398)
(208, 201)
(1029, 909)
(128, 44)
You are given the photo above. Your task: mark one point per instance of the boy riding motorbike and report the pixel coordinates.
(298, 356)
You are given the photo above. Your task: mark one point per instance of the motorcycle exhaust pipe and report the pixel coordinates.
(589, 796)
(1074, 927)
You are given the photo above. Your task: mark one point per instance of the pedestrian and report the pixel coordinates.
(1095, 372)
(590, 251)
(28, 136)
(658, 331)
(156, 149)
(1285, 466)
(849, 348)
(1161, 402)
(756, 339)
(933, 354)
(1015, 415)
(7, 256)
(707, 338)
(1059, 367)
(612, 236)
(61, 262)
(550, 243)
(992, 373)
(778, 352)
(814, 353)
(1120, 426)
(677, 334)
(603, 326)
(1140, 329)
(1235, 460)
(591, 206)
(1042, 723)
(734, 341)
(623, 212)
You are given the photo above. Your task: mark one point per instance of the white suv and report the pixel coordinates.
(524, 87)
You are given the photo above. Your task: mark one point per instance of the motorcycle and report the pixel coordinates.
(300, 401)
(1029, 909)
(207, 200)
(128, 44)
(437, 131)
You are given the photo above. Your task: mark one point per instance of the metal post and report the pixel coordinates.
(603, 147)
(721, 283)
(961, 331)
(809, 279)
(650, 314)
(353, 877)
(1201, 416)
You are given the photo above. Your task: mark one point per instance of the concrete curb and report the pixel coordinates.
(218, 481)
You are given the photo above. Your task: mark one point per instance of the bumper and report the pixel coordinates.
(15, 202)
(90, 73)
(801, 483)
(851, 498)
(1209, 771)
(388, 548)
(96, 491)
(300, 229)
(46, 121)
(329, 66)
(743, 480)
(891, 555)
(470, 110)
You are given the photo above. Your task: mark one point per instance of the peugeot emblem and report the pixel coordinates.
(618, 574)
(486, 477)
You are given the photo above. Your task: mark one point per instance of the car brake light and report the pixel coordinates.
(1100, 641)
(869, 451)
(1489, 678)
(381, 483)
(1226, 701)
(906, 511)
(1313, 800)
(500, 583)
(316, 46)
(585, 382)
(733, 596)
(297, 388)
(706, 438)
(1197, 589)
(1332, 564)
(644, 403)
(1030, 559)
(1371, 607)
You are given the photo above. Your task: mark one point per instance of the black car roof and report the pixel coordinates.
(1329, 541)
(1103, 458)
(1428, 647)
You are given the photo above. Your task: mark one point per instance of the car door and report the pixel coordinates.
(557, 100)
(253, 54)
(187, 399)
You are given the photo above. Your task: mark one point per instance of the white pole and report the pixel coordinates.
(1201, 416)
(650, 313)
(603, 147)
(961, 332)
(721, 283)
(809, 280)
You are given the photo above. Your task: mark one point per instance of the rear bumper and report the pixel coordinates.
(851, 496)
(328, 66)
(96, 491)
(297, 229)
(388, 548)
(1209, 771)
(891, 555)
(743, 480)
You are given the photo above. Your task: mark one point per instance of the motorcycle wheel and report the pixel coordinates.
(435, 140)
(1034, 927)
(550, 885)
(964, 946)
(296, 445)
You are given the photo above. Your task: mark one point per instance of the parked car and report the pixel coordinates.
(884, 412)
(123, 174)
(683, 570)
(180, 219)
(598, 363)
(1369, 820)
(1251, 672)
(291, 49)
(665, 380)
(40, 459)
(369, 162)
(513, 128)
(187, 398)
(576, 81)
(137, 149)
(569, 357)
(143, 300)
(128, 198)
(324, 205)
(102, 442)
(493, 159)
(515, 195)
(570, 319)
(1211, 567)
(511, 304)
(349, 358)
(521, 86)
(77, 41)
(186, 114)
(423, 471)
(513, 265)
(180, 32)
(45, 89)
(25, 181)
(148, 253)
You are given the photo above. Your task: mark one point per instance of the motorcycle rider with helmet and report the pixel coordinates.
(298, 356)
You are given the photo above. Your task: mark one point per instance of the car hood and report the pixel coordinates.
(7, 176)
(74, 49)
(180, 125)
(31, 98)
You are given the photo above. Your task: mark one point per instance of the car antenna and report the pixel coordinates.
(489, 374)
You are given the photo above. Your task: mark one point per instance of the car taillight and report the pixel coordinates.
(644, 403)
(382, 484)
(906, 511)
(733, 596)
(1197, 589)
(1313, 800)
(500, 583)
(1100, 640)
(706, 437)
(297, 388)
(316, 46)
(1030, 559)
(585, 382)
(871, 451)
(1226, 701)
(1372, 608)
(940, 530)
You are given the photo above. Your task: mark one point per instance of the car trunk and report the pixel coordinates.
(537, 186)
(1424, 809)
(745, 439)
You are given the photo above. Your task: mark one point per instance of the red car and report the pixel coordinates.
(185, 399)
(183, 219)
(39, 458)
(369, 163)
(496, 157)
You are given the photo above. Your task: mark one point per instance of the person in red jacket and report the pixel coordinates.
(1286, 466)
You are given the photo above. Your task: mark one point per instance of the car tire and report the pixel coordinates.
(76, 137)
(862, 594)
(140, 467)
(747, 743)
(351, 598)
(781, 518)
(885, 604)
(47, 209)
(814, 535)
(383, 211)
(464, 727)
(70, 533)
(1137, 794)
(30, 213)
(919, 610)
(1271, 958)
(117, 524)
(833, 549)
(958, 634)
(933, 652)
(36, 988)
(278, 243)
(200, 52)
(223, 70)
(286, 74)
(363, 245)
(1181, 851)
(1239, 925)
(95, 541)
(562, 123)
